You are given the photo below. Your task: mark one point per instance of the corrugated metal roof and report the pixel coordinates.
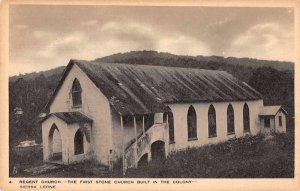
(270, 110)
(140, 89)
(70, 117)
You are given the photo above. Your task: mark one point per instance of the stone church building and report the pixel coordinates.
(137, 113)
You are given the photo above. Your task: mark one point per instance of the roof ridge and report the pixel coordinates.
(144, 65)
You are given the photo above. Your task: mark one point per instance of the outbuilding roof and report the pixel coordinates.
(271, 110)
(69, 117)
(140, 89)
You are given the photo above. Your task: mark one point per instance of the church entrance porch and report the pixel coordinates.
(66, 137)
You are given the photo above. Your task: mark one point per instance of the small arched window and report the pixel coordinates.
(246, 118)
(230, 119)
(78, 143)
(192, 123)
(76, 93)
(212, 127)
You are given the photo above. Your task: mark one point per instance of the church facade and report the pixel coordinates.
(137, 113)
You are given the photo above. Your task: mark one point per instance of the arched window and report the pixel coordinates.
(246, 118)
(230, 119)
(76, 93)
(78, 143)
(169, 115)
(192, 123)
(212, 127)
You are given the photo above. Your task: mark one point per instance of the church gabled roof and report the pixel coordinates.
(140, 89)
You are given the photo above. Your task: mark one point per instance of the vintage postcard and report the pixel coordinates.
(162, 95)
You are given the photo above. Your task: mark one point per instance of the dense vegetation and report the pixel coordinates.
(248, 157)
(275, 80)
(31, 95)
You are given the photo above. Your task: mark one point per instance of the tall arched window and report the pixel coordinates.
(192, 123)
(76, 93)
(169, 115)
(246, 118)
(230, 119)
(212, 126)
(78, 143)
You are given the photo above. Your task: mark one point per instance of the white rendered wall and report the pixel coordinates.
(94, 104)
(73, 128)
(280, 129)
(180, 122)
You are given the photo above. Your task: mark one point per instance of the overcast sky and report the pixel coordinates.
(44, 37)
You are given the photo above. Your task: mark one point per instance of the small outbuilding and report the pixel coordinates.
(273, 119)
(18, 111)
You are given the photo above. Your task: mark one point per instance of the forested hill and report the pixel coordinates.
(167, 59)
(274, 79)
(33, 75)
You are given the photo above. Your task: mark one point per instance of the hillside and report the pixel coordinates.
(167, 59)
(275, 80)
(160, 58)
(34, 75)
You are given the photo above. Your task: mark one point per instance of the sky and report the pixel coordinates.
(42, 37)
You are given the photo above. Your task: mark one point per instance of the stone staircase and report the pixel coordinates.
(134, 152)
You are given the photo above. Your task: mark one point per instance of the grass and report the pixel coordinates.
(248, 157)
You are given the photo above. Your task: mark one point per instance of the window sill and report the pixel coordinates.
(192, 139)
(231, 133)
(212, 136)
(79, 154)
(247, 131)
(171, 142)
